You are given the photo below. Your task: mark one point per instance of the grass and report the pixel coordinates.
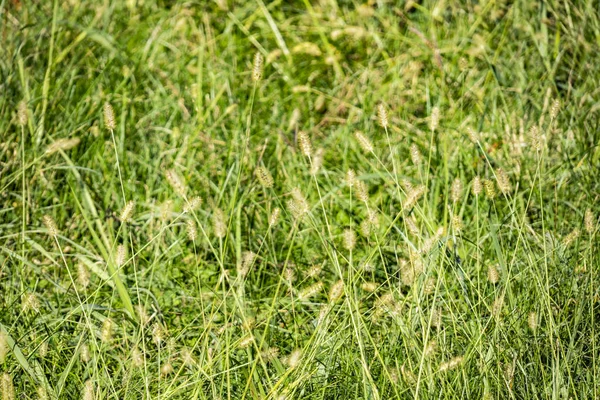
(450, 250)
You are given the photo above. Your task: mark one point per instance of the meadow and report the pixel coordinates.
(303, 199)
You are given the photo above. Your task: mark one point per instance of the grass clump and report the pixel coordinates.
(305, 199)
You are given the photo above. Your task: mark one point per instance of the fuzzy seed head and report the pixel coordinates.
(456, 191)
(477, 186)
(137, 358)
(106, 331)
(382, 115)
(361, 191)
(497, 306)
(304, 143)
(294, 358)
(364, 142)
(435, 118)
(532, 321)
(8, 390)
(88, 390)
(175, 182)
(62, 144)
(84, 353)
(109, 117)
(264, 177)
(536, 138)
(310, 291)
(298, 206)
(412, 225)
(490, 188)
(503, 181)
(218, 223)
(473, 136)
(257, 67)
(193, 204)
(336, 291)
(3, 347)
(159, 334)
(589, 221)
(350, 177)
(554, 109)
(83, 276)
(30, 303)
(50, 225)
(570, 238)
(317, 162)
(493, 274)
(127, 211)
(415, 155)
(166, 369)
(413, 196)
(248, 258)
(120, 255)
(274, 217)
(191, 230)
(451, 364)
(349, 239)
(22, 113)
(457, 224)
(42, 393)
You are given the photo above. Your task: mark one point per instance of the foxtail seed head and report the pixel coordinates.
(503, 181)
(589, 221)
(349, 239)
(50, 225)
(109, 116)
(456, 190)
(127, 211)
(477, 186)
(191, 230)
(22, 113)
(274, 217)
(304, 143)
(382, 115)
(415, 154)
(264, 177)
(218, 223)
(8, 390)
(435, 118)
(121, 255)
(364, 142)
(336, 291)
(257, 67)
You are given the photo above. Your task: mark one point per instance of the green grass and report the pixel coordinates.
(442, 291)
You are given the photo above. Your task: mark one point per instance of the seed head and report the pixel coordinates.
(497, 306)
(50, 225)
(62, 144)
(382, 115)
(532, 321)
(536, 138)
(473, 137)
(88, 390)
(137, 358)
(350, 177)
(127, 211)
(84, 353)
(191, 230)
(310, 291)
(120, 255)
(218, 223)
(349, 239)
(412, 225)
(193, 204)
(298, 206)
(451, 364)
(304, 143)
(42, 393)
(457, 224)
(264, 177)
(435, 118)
(317, 162)
(8, 390)
(477, 186)
(109, 117)
(413, 196)
(3, 347)
(257, 67)
(364, 142)
(361, 191)
(493, 274)
(30, 302)
(166, 369)
(336, 291)
(415, 154)
(503, 181)
(589, 221)
(274, 217)
(107, 330)
(175, 182)
(570, 238)
(246, 341)
(83, 276)
(456, 191)
(490, 188)
(554, 109)
(294, 358)
(22, 113)
(248, 258)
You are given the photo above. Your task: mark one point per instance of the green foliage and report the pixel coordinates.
(448, 290)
